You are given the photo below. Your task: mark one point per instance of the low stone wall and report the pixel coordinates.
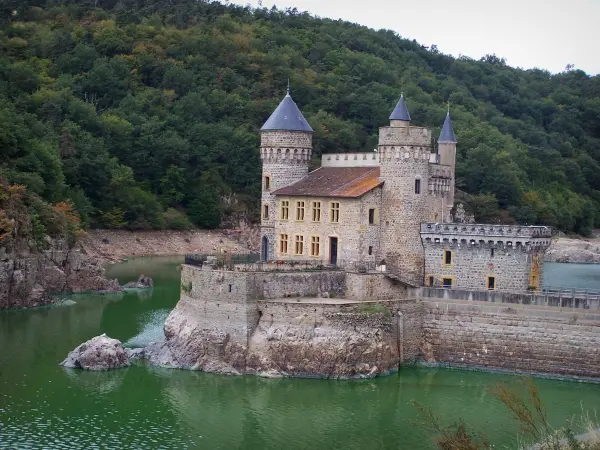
(271, 285)
(515, 338)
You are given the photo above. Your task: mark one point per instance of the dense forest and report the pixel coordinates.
(145, 113)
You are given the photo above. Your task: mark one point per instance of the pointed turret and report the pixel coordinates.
(287, 117)
(447, 134)
(400, 116)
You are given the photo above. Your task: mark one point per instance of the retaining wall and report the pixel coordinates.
(515, 338)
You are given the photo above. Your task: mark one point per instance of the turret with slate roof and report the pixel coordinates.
(285, 151)
(447, 152)
(400, 116)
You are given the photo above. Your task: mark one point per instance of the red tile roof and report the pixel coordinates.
(351, 182)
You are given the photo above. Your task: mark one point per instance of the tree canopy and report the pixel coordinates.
(145, 113)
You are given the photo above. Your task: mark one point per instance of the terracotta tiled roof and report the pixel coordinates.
(349, 182)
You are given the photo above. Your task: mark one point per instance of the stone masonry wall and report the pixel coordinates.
(353, 231)
(219, 300)
(373, 286)
(285, 156)
(514, 338)
(472, 265)
(273, 285)
(402, 209)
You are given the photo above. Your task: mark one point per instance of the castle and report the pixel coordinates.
(390, 207)
(376, 275)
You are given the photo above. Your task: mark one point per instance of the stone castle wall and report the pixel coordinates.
(259, 322)
(355, 234)
(285, 156)
(472, 265)
(513, 338)
(402, 208)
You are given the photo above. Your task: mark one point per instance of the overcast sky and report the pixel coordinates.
(548, 34)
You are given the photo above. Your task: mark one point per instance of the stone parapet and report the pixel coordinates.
(404, 136)
(486, 235)
(285, 155)
(361, 159)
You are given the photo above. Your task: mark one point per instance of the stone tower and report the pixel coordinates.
(285, 151)
(404, 153)
(447, 152)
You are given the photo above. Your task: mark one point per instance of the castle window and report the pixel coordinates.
(265, 211)
(430, 281)
(230, 287)
(284, 210)
(283, 243)
(267, 182)
(300, 211)
(417, 186)
(492, 252)
(299, 245)
(373, 216)
(491, 282)
(370, 249)
(447, 282)
(334, 216)
(447, 257)
(316, 211)
(315, 246)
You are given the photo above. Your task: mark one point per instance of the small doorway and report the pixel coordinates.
(333, 250)
(264, 250)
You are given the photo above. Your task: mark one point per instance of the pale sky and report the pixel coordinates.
(547, 34)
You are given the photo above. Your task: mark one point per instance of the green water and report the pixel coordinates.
(43, 405)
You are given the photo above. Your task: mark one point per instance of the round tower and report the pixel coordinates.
(447, 152)
(404, 153)
(285, 151)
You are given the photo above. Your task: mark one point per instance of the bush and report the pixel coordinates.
(176, 220)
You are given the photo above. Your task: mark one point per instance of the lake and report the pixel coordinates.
(43, 405)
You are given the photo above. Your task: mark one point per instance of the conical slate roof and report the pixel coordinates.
(400, 112)
(286, 117)
(447, 134)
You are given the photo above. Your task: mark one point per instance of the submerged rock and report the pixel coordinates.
(143, 282)
(99, 353)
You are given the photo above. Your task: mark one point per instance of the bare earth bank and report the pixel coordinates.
(116, 245)
(574, 251)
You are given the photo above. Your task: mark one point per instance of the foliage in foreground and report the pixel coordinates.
(143, 112)
(523, 400)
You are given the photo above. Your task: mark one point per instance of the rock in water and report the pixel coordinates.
(143, 282)
(99, 353)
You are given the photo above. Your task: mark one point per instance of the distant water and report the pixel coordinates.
(568, 275)
(43, 405)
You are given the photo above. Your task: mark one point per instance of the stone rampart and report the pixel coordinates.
(519, 338)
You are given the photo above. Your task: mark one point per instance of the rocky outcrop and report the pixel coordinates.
(334, 342)
(143, 282)
(28, 276)
(99, 353)
(347, 344)
(565, 250)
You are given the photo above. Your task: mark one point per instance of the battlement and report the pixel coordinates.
(404, 153)
(404, 136)
(279, 155)
(486, 235)
(361, 159)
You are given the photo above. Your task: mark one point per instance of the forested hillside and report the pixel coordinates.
(145, 113)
